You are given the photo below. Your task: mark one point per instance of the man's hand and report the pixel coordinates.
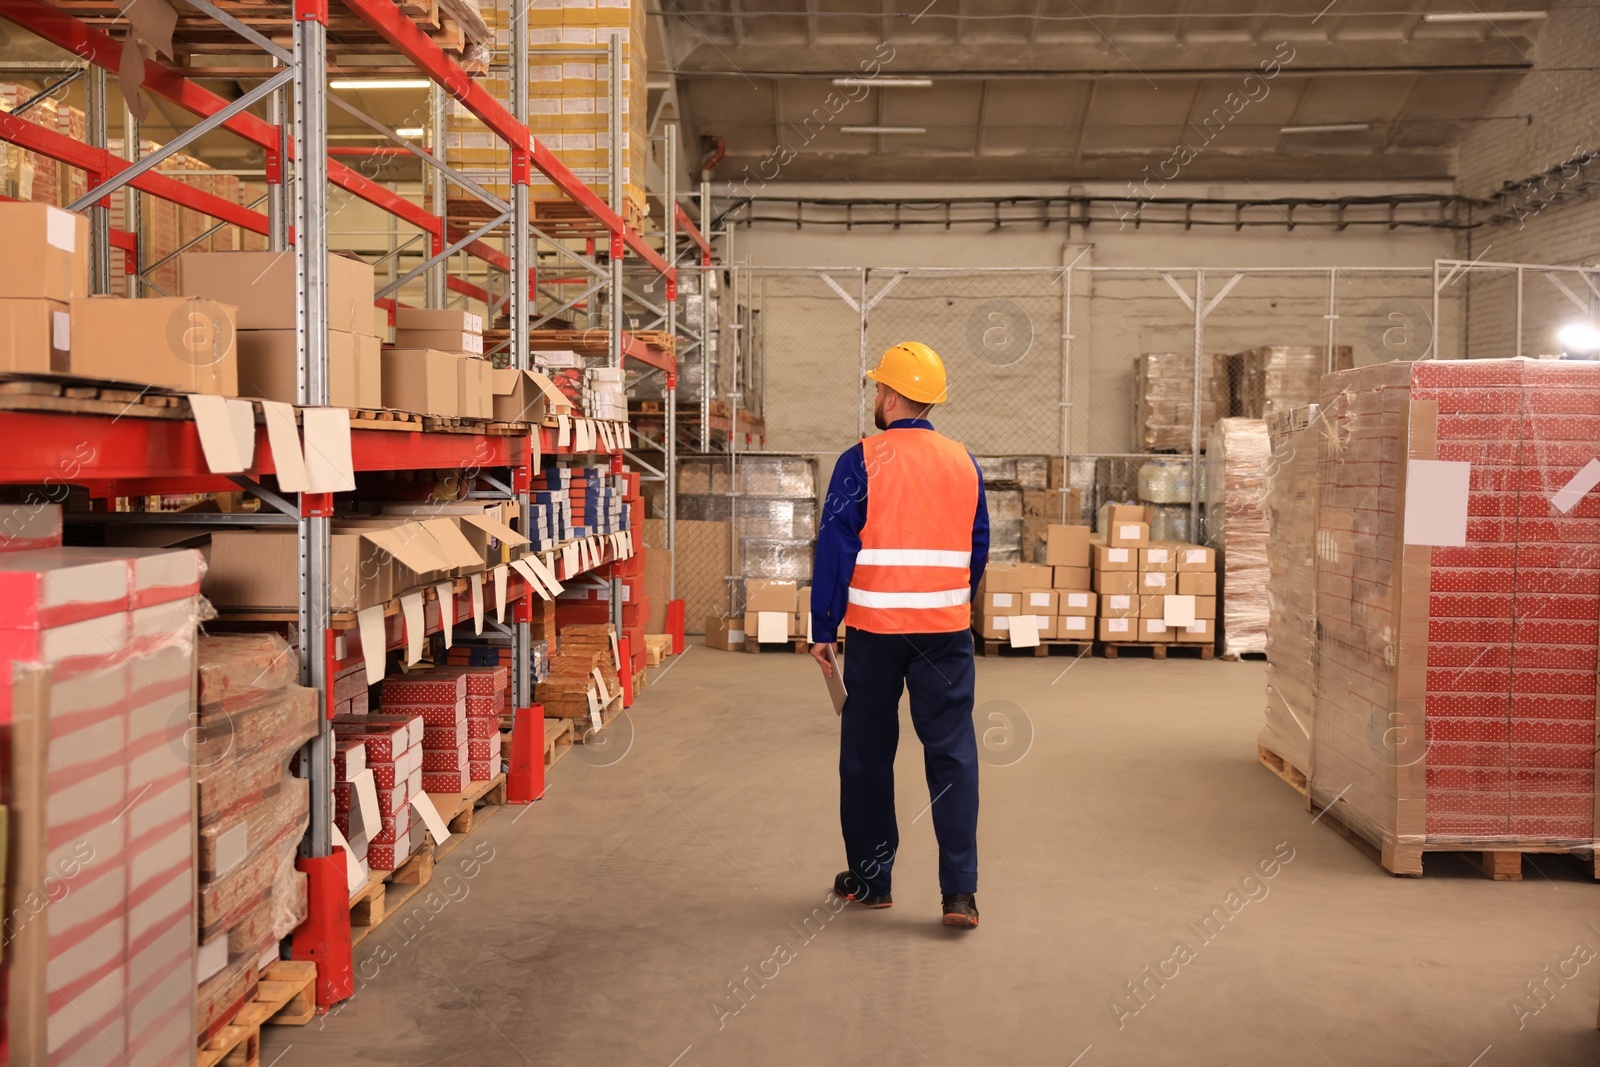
(824, 653)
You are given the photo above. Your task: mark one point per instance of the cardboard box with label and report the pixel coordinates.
(1197, 583)
(992, 627)
(1077, 602)
(1119, 606)
(262, 285)
(421, 380)
(259, 569)
(1161, 556)
(267, 360)
(1115, 513)
(1128, 534)
(1071, 578)
(35, 337)
(474, 387)
(1157, 581)
(1155, 630)
(1196, 558)
(726, 633)
(186, 345)
(1200, 632)
(1115, 558)
(771, 594)
(1067, 546)
(441, 329)
(1075, 627)
(1116, 629)
(992, 603)
(1116, 582)
(525, 396)
(45, 252)
(1015, 577)
(1039, 602)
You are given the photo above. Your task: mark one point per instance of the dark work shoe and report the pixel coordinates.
(960, 909)
(850, 887)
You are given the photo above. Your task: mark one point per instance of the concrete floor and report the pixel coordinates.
(605, 924)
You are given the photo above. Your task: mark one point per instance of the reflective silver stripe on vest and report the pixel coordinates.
(911, 557)
(943, 598)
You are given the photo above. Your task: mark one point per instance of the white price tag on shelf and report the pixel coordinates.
(329, 465)
(606, 438)
(411, 608)
(528, 575)
(600, 685)
(283, 436)
(354, 877)
(627, 436)
(500, 574)
(369, 624)
(563, 431)
(422, 804)
(569, 559)
(546, 575)
(477, 603)
(446, 593)
(227, 430)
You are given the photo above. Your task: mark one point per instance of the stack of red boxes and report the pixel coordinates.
(1490, 646)
(488, 690)
(392, 745)
(440, 698)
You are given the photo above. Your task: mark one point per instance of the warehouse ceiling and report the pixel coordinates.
(1065, 90)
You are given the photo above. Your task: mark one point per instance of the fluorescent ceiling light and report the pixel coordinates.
(379, 83)
(883, 129)
(1579, 337)
(1482, 16)
(1331, 127)
(409, 131)
(887, 83)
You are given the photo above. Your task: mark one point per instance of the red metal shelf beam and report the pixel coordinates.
(693, 233)
(633, 348)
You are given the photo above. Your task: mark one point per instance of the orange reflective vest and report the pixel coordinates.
(913, 573)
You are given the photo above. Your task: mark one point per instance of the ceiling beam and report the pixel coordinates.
(736, 21)
(812, 29)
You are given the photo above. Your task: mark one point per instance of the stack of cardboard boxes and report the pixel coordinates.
(388, 751)
(1056, 593)
(1150, 592)
(436, 366)
(775, 611)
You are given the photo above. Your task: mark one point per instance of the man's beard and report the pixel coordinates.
(877, 415)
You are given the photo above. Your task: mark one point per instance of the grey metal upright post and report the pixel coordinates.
(705, 323)
(670, 392)
(1194, 418)
(518, 307)
(435, 288)
(311, 327)
(132, 214)
(614, 126)
(94, 116)
(279, 203)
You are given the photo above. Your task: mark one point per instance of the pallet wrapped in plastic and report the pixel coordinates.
(765, 517)
(1236, 525)
(1291, 585)
(1458, 607)
(763, 557)
(1274, 378)
(792, 476)
(1163, 399)
(705, 474)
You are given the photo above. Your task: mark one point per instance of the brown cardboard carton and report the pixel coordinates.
(267, 361)
(176, 343)
(1056, 505)
(1128, 534)
(1203, 631)
(1015, 577)
(517, 397)
(1157, 582)
(1196, 558)
(992, 627)
(726, 633)
(35, 336)
(1071, 578)
(771, 594)
(447, 320)
(1067, 546)
(1197, 583)
(1075, 627)
(45, 252)
(1077, 602)
(991, 602)
(800, 624)
(1161, 556)
(1205, 607)
(369, 371)
(1151, 607)
(1119, 606)
(1119, 629)
(1116, 513)
(1116, 582)
(421, 380)
(1153, 629)
(1046, 625)
(262, 286)
(259, 569)
(1115, 558)
(474, 387)
(455, 342)
(1039, 602)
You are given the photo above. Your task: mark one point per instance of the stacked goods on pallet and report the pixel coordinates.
(28, 175)
(497, 658)
(1238, 459)
(98, 783)
(1016, 603)
(350, 695)
(583, 675)
(596, 508)
(774, 521)
(47, 255)
(1166, 485)
(1043, 509)
(253, 812)
(439, 698)
(1163, 398)
(1115, 570)
(776, 610)
(1005, 480)
(569, 103)
(551, 522)
(1152, 591)
(488, 691)
(1277, 378)
(422, 335)
(1457, 602)
(1069, 553)
(388, 747)
(1291, 584)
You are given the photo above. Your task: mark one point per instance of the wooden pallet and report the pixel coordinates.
(561, 217)
(384, 419)
(992, 647)
(661, 339)
(1405, 860)
(792, 644)
(285, 996)
(585, 729)
(454, 424)
(639, 683)
(557, 740)
(1158, 649)
(79, 396)
(657, 647)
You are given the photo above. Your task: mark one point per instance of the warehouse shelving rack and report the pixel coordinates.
(135, 456)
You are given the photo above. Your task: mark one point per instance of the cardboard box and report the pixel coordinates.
(1071, 578)
(445, 320)
(1039, 602)
(771, 594)
(455, 342)
(1205, 607)
(1077, 602)
(1075, 627)
(1197, 583)
(1115, 513)
(1154, 629)
(1151, 606)
(778, 626)
(1067, 546)
(267, 361)
(991, 603)
(1015, 577)
(1161, 556)
(45, 251)
(1118, 558)
(1128, 534)
(177, 343)
(1157, 582)
(1201, 632)
(369, 372)
(1119, 629)
(992, 627)
(524, 396)
(1055, 505)
(1119, 606)
(1116, 582)
(35, 336)
(262, 285)
(421, 380)
(725, 633)
(474, 387)
(1196, 558)
(800, 624)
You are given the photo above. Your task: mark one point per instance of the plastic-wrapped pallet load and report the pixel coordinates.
(1291, 585)
(1163, 398)
(1276, 378)
(1236, 520)
(1005, 525)
(99, 784)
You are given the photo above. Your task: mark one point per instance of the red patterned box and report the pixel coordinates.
(383, 741)
(388, 856)
(394, 828)
(483, 749)
(432, 687)
(456, 781)
(451, 737)
(483, 770)
(439, 760)
(484, 705)
(481, 726)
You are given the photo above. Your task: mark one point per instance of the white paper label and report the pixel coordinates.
(1156, 579)
(366, 791)
(1128, 531)
(1075, 622)
(61, 230)
(369, 623)
(1116, 555)
(771, 626)
(1077, 600)
(411, 608)
(354, 876)
(1436, 502)
(477, 603)
(1568, 496)
(1117, 626)
(563, 431)
(1121, 603)
(1002, 622)
(1194, 555)
(445, 591)
(1158, 555)
(1155, 626)
(1001, 600)
(1025, 631)
(329, 466)
(501, 573)
(283, 437)
(1177, 610)
(1198, 626)
(61, 331)
(422, 803)
(1038, 600)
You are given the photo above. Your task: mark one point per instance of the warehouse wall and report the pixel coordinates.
(1547, 118)
(1001, 332)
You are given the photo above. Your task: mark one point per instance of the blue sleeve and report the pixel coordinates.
(844, 513)
(980, 535)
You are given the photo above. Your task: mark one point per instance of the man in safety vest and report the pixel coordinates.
(902, 544)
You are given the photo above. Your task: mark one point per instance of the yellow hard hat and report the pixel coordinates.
(913, 370)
